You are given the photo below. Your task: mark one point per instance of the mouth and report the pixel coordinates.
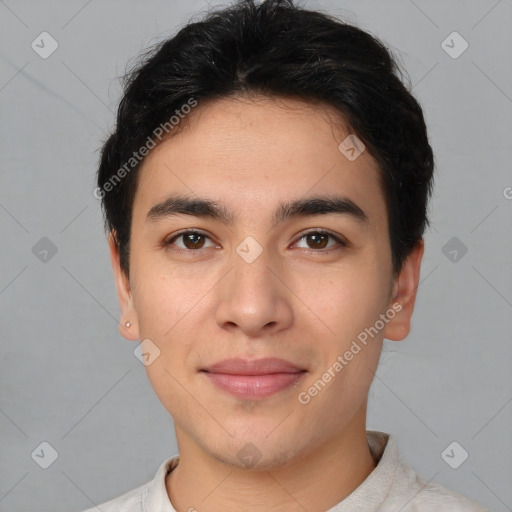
(253, 379)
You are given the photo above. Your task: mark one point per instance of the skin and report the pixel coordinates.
(295, 302)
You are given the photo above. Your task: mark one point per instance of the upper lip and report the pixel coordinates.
(265, 366)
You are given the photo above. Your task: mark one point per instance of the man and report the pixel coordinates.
(265, 195)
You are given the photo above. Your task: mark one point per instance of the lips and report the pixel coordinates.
(253, 379)
(265, 366)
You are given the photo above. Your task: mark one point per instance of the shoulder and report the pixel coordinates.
(128, 502)
(150, 496)
(412, 492)
(436, 498)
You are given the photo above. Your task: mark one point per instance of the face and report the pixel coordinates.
(253, 279)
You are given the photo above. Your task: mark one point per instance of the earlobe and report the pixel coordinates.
(404, 295)
(124, 294)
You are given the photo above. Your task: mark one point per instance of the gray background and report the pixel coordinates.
(69, 378)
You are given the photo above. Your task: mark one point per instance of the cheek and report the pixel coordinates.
(165, 299)
(171, 388)
(345, 301)
(167, 307)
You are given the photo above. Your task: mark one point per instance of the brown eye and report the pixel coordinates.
(320, 239)
(193, 241)
(190, 240)
(317, 240)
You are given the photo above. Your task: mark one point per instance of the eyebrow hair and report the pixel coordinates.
(203, 207)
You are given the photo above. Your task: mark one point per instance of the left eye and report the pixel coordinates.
(319, 239)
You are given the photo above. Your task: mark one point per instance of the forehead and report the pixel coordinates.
(252, 154)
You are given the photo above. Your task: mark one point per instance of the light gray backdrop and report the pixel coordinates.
(70, 380)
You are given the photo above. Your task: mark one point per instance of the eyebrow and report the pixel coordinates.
(207, 208)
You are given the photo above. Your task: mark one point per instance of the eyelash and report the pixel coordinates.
(169, 242)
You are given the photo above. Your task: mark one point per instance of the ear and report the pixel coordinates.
(128, 313)
(403, 295)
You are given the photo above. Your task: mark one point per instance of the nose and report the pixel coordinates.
(254, 299)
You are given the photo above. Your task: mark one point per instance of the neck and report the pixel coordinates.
(314, 482)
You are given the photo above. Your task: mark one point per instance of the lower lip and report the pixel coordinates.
(254, 386)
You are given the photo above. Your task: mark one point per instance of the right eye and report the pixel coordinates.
(191, 241)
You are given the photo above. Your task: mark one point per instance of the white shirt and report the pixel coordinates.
(391, 487)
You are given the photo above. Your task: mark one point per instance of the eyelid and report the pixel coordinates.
(184, 232)
(169, 240)
(340, 239)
